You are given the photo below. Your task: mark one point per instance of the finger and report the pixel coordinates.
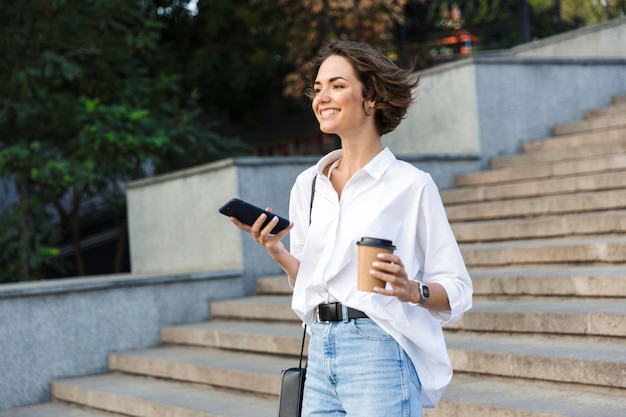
(383, 291)
(266, 233)
(284, 232)
(390, 258)
(398, 286)
(392, 269)
(391, 291)
(383, 274)
(258, 224)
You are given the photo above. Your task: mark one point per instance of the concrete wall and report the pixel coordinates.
(522, 99)
(265, 182)
(489, 105)
(65, 328)
(175, 226)
(603, 40)
(172, 225)
(443, 119)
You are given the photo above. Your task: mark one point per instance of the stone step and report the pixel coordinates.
(536, 188)
(570, 316)
(575, 361)
(273, 285)
(262, 337)
(593, 223)
(466, 396)
(241, 371)
(581, 202)
(618, 107)
(54, 409)
(559, 281)
(579, 314)
(606, 121)
(483, 396)
(564, 148)
(547, 251)
(276, 308)
(562, 281)
(514, 174)
(590, 139)
(141, 396)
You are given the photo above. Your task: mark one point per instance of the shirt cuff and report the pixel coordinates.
(459, 304)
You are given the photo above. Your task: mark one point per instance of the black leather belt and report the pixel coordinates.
(329, 312)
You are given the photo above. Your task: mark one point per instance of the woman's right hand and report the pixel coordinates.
(271, 242)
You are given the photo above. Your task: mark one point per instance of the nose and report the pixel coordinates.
(322, 95)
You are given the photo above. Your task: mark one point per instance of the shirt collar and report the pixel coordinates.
(375, 168)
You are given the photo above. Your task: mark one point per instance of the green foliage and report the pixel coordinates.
(84, 107)
(229, 59)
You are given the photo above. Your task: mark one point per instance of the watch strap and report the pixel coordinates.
(423, 296)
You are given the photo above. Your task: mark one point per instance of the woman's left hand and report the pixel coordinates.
(389, 268)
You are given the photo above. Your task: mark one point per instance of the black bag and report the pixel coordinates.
(292, 388)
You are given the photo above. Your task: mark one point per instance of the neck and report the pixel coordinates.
(357, 155)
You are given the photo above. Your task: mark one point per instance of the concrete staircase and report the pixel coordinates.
(544, 236)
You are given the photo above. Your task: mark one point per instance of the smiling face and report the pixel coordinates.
(338, 100)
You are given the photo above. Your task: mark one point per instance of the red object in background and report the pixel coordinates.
(462, 40)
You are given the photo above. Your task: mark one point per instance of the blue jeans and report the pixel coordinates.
(355, 369)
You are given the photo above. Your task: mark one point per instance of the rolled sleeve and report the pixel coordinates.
(460, 298)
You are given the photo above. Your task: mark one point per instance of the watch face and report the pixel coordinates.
(425, 291)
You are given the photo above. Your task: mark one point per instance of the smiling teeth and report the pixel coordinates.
(329, 112)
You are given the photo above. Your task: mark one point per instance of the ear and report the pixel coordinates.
(369, 107)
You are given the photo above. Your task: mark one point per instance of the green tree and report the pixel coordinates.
(84, 107)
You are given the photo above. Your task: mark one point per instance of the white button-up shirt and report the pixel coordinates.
(388, 199)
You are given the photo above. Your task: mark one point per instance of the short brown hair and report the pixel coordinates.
(383, 80)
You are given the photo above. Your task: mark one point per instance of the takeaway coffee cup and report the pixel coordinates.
(369, 247)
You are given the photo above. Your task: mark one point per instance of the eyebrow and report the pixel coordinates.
(333, 79)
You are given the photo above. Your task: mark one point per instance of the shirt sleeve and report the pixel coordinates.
(443, 261)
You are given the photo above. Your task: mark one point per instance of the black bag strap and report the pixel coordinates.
(312, 196)
(302, 347)
(304, 331)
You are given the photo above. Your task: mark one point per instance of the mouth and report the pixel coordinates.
(328, 112)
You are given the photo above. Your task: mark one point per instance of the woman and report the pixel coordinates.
(378, 353)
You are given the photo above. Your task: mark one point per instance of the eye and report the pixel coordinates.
(336, 86)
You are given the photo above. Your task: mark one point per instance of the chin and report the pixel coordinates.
(327, 130)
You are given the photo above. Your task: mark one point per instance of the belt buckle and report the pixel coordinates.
(317, 316)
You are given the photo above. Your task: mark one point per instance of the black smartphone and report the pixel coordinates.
(248, 213)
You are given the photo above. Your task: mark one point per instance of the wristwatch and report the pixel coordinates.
(424, 295)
